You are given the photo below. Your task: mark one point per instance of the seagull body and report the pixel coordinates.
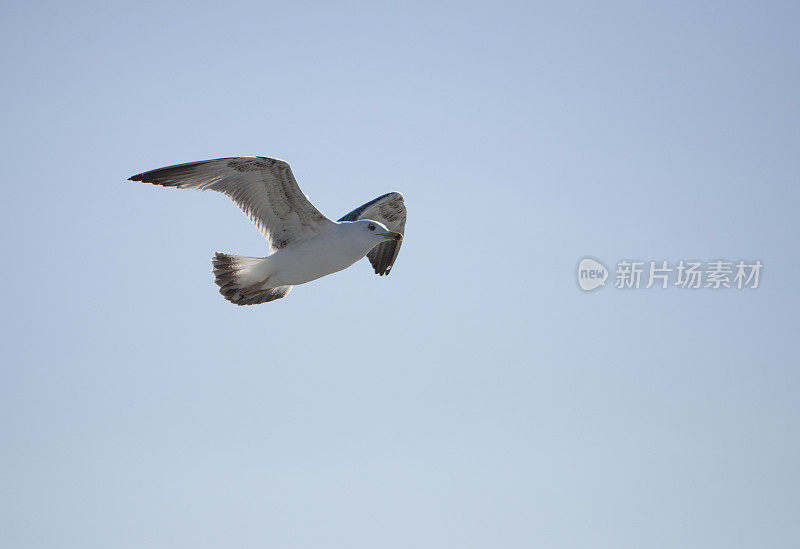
(334, 249)
(304, 244)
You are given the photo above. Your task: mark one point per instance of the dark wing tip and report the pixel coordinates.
(381, 268)
(382, 257)
(171, 176)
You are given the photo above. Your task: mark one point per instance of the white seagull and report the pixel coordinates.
(303, 244)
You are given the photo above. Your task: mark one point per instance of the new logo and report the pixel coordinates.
(591, 274)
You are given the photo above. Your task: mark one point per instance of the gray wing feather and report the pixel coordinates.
(264, 188)
(390, 210)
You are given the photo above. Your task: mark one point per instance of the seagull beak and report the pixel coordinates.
(393, 236)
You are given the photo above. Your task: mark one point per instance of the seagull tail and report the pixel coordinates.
(245, 280)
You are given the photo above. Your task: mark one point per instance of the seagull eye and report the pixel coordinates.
(371, 227)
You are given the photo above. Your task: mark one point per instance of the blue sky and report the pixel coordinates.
(474, 398)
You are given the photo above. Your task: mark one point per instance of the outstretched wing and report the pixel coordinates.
(390, 210)
(264, 188)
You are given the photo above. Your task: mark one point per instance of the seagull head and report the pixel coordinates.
(373, 231)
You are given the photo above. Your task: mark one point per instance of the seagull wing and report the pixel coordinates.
(390, 210)
(264, 188)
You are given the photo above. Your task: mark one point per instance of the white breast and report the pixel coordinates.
(308, 260)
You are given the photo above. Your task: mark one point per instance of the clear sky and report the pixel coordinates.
(474, 398)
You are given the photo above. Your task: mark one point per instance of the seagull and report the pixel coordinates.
(304, 245)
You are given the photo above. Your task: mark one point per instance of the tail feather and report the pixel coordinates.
(244, 281)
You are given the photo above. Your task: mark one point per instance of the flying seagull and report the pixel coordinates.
(303, 244)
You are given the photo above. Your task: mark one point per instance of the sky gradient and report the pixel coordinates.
(474, 398)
